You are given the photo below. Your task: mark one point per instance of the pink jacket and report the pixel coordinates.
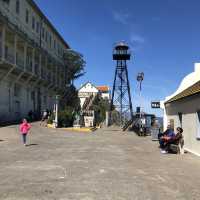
(24, 128)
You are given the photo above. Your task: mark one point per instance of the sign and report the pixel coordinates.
(155, 104)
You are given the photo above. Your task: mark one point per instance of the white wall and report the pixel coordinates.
(86, 91)
(88, 88)
(188, 107)
(105, 95)
(8, 105)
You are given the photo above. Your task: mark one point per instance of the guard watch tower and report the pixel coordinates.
(121, 96)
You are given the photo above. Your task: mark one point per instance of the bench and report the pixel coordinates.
(177, 148)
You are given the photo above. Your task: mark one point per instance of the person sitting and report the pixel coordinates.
(174, 140)
(166, 136)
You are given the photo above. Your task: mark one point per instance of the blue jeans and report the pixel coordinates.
(162, 143)
(24, 138)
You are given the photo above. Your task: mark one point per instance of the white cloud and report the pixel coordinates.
(136, 41)
(121, 17)
(124, 18)
(135, 38)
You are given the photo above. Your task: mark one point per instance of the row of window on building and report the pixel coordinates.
(38, 27)
(18, 90)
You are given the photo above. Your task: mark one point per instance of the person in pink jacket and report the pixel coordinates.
(24, 129)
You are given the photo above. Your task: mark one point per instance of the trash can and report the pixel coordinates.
(154, 133)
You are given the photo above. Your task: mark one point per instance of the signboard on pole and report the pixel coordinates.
(155, 104)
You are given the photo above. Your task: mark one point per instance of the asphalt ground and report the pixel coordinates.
(105, 165)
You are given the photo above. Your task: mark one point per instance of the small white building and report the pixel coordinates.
(88, 89)
(182, 108)
(85, 91)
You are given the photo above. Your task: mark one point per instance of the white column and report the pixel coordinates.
(25, 55)
(15, 50)
(3, 42)
(55, 122)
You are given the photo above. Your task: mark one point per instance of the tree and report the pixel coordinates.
(100, 106)
(71, 99)
(70, 102)
(75, 65)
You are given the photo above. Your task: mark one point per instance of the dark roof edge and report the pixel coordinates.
(42, 15)
(186, 97)
(172, 99)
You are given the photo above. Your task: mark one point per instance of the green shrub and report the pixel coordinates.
(66, 118)
(51, 118)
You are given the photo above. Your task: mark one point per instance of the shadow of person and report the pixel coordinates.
(31, 144)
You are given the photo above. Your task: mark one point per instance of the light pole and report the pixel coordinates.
(140, 78)
(55, 122)
(58, 97)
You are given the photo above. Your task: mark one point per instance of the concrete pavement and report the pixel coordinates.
(104, 165)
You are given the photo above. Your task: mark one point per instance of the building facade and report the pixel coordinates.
(88, 89)
(104, 91)
(32, 68)
(183, 109)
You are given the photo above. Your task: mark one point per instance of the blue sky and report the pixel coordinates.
(164, 36)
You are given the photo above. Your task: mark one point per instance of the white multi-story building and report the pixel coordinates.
(32, 69)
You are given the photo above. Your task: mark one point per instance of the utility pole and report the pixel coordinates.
(140, 78)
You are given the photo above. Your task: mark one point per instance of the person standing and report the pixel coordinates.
(24, 129)
(44, 117)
